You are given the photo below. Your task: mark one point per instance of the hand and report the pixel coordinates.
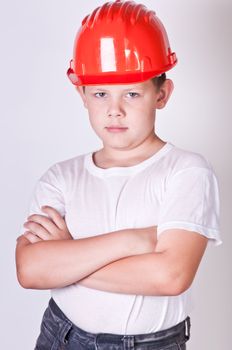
(43, 228)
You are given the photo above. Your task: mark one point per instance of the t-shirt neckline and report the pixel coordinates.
(124, 171)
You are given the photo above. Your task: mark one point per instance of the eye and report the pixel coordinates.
(100, 94)
(133, 94)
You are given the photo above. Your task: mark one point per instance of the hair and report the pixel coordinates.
(157, 81)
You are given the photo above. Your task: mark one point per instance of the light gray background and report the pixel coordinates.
(43, 121)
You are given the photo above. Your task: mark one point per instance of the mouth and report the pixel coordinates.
(116, 128)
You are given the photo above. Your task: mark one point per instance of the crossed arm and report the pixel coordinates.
(129, 261)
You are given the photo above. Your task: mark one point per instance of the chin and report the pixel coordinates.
(118, 146)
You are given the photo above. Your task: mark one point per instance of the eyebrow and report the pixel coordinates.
(132, 88)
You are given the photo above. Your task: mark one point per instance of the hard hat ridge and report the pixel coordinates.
(113, 11)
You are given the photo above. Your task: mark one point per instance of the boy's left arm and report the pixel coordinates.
(170, 270)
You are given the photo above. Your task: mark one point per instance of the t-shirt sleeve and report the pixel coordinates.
(191, 202)
(48, 191)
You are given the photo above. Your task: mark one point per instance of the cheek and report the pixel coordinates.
(143, 117)
(97, 121)
(96, 110)
(144, 106)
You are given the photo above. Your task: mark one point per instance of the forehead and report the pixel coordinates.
(121, 87)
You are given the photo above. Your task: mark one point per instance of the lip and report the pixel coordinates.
(116, 128)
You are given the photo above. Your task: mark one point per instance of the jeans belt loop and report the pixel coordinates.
(187, 327)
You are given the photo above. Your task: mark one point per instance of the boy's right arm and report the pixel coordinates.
(59, 263)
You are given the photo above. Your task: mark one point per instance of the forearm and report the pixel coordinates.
(140, 274)
(169, 270)
(54, 264)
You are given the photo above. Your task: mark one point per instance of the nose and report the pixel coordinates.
(115, 108)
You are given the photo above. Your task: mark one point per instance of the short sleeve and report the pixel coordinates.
(48, 191)
(191, 202)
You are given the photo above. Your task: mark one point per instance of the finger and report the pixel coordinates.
(37, 230)
(46, 222)
(22, 240)
(55, 216)
(19, 238)
(31, 237)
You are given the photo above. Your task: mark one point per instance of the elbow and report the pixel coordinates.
(179, 286)
(29, 280)
(24, 277)
(25, 270)
(22, 281)
(30, 277)
(174, 284)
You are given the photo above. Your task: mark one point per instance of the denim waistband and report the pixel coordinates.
(178, 333)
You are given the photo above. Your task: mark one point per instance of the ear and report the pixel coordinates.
(82, 94)
(164, 93)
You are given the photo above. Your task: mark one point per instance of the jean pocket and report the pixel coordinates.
(48, 337)
(155, 346)
(176, 346)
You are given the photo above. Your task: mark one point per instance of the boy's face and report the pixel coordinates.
(123, 116)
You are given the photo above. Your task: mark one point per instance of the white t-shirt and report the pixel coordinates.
(171, 189)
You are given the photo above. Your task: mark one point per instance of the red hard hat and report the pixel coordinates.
(119, 43)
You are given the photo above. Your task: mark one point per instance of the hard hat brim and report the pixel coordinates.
(111, 78)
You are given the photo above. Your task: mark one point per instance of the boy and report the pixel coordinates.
(118, 234)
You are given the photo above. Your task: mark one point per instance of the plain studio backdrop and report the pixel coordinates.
(43, 121)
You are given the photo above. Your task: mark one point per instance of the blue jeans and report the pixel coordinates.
(58, 333)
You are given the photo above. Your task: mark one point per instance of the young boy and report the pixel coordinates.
(118, 234)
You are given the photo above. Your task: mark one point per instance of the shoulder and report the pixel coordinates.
(67, 168)
(180, 159)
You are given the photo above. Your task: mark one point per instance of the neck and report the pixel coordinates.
(109, 157)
